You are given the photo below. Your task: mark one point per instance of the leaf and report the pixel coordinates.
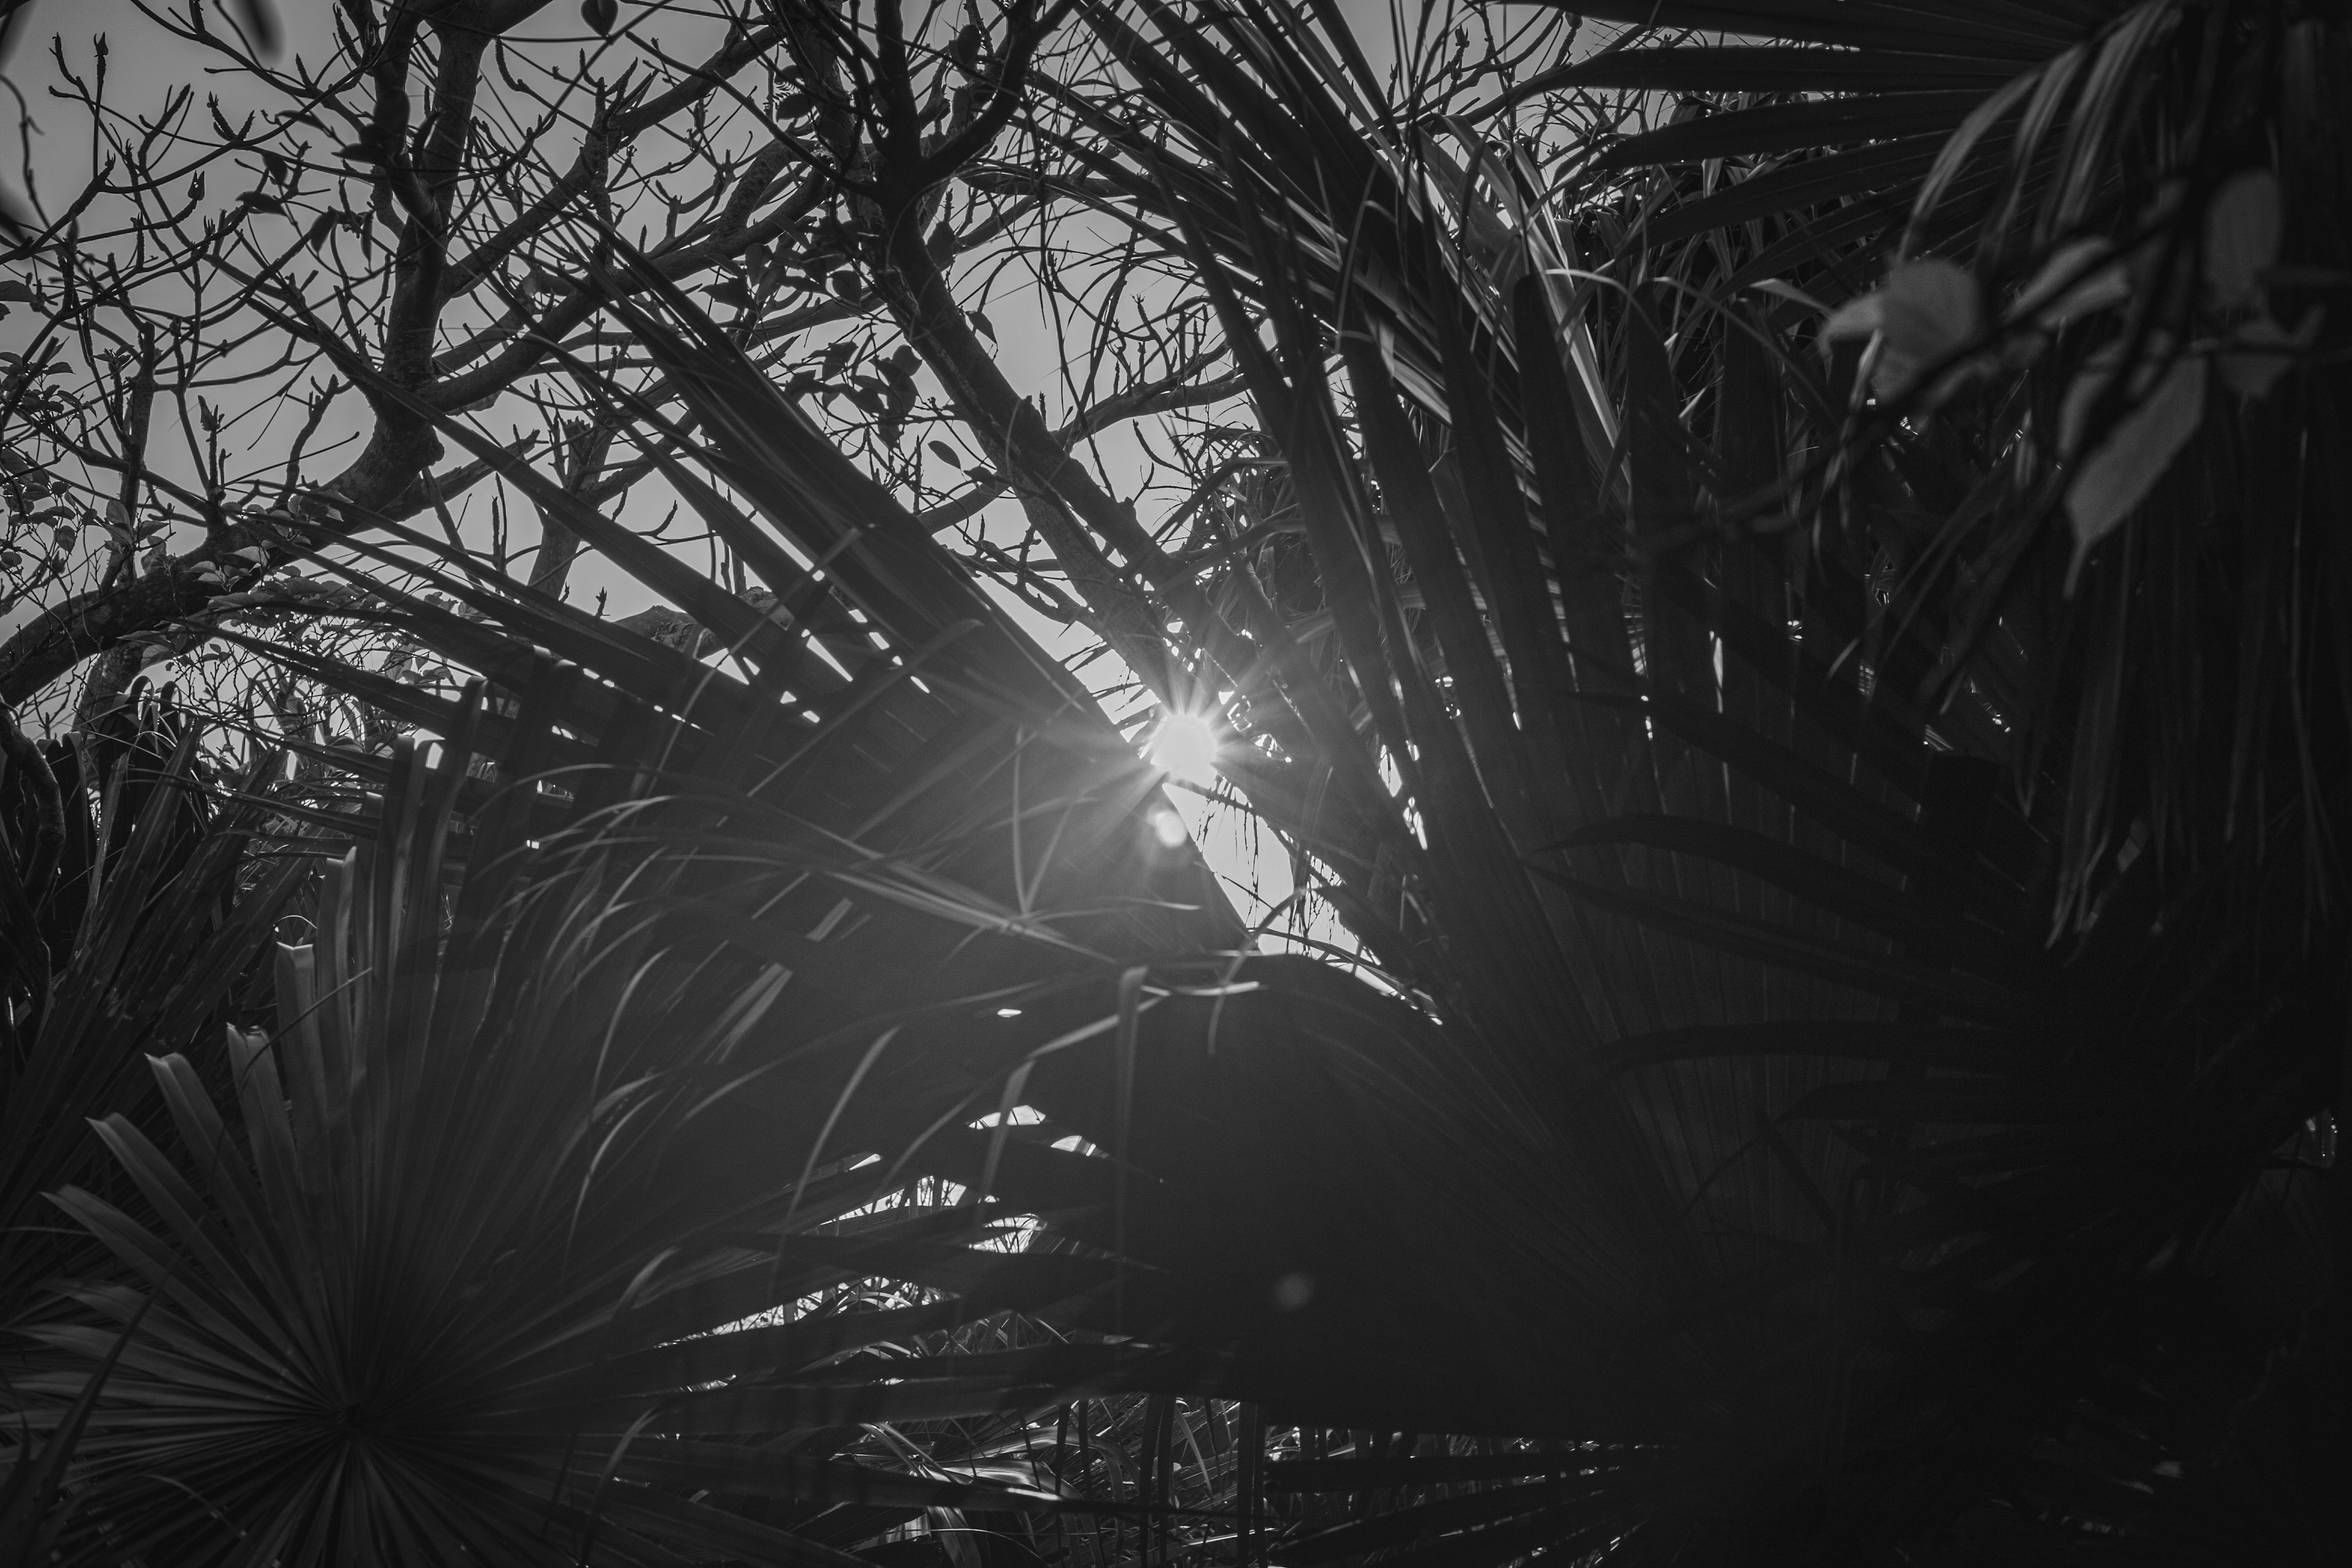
(1932, 310)
(947, 454)
(1958, 153)
(2242, 237)
(744, 1471)
(1780, 127)
(30, 1514)
(1860, 317)
(1953, 1100)
(600, 15)
(1913, 1046)
(2261, 350)
(1925, 313)
(1481, 1508)
(1868, 171)
(1355, 1475)
(2072, 284)
(1926, 927)
(2116, 477)
(1987, 32)
(1764, 69)
(15, 290)
(1768, 942)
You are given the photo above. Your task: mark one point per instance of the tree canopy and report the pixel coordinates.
(600, 969)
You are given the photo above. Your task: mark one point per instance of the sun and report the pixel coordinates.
(1185, 746)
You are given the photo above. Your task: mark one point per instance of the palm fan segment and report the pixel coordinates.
(610, 1179)
(1763, 701)
(440, 1270)
(2083, 325)
(571, 1206)
(880, 698)
(134, 917)
(1760, 1181)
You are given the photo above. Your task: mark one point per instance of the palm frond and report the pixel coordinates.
(1782, 677)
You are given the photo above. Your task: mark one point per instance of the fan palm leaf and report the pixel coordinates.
(642, 984)
(1736, 664)
(132, 915)
(448, 1279)
(1755, 1177)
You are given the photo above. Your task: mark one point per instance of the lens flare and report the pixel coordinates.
(1185, 746)
(1169, 828)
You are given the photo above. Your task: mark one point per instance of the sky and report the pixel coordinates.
(144, 65)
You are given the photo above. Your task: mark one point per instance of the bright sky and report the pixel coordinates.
(145, 64)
